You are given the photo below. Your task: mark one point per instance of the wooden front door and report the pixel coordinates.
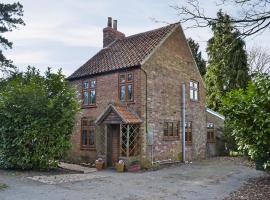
(113, 144)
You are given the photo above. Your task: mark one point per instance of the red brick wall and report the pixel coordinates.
(106, 92)
(166, 69)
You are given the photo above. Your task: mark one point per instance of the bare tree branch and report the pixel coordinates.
(259, 60)
(253, 18)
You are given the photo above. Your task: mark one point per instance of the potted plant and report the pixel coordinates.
(120, 166)
(99, 164)
(134, 165)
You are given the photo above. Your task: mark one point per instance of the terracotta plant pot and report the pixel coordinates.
(119, 167)
(134, 168)
(99, 165)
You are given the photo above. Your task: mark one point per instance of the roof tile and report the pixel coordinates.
(123, 53)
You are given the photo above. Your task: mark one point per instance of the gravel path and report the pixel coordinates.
(210, 179)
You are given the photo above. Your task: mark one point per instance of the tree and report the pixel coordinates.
(36, 119)
(248, 112)
(259, 61)
(10, 18)
(201, 63)
(252, 16)
(227, 58)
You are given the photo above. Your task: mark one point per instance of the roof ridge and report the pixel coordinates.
(153, 30)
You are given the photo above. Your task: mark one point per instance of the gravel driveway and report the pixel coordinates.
(210, 179)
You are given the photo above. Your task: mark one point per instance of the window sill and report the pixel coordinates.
(188, 143)
(89, 106)
(88, 148)
(194, 101)
(211, 142)
(172, 138)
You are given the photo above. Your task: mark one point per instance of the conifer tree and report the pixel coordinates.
(227, 57)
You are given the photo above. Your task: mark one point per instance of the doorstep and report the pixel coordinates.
(79, 168)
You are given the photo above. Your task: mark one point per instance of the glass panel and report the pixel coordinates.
(212, 136)
(190, 84)
(195, 85)
(93, 83)
(122, 93)
(165, 129)
(196, 95)
(170, 127)
(122, 78)
(175, 129)
(92, 137)
(85, 98)
(85, 84)
(84, 137)
(130, 92)
(208, 136)
(191, 93)
(84, 122)
(130, 77)
(93, 97)
(190, 137)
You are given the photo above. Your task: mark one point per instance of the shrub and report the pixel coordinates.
(248, 112)
(36, 119)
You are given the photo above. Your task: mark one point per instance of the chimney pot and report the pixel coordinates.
(115, 24)
(109, 22)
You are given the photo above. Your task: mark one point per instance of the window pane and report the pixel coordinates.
(191, 93)
(84, 137)
(93, 83)
(186, 136)
(122, 93)
(85, 98)
(93, 97)
(130, 77)
(196, 95)
(84, 122)
(170, 127)
(208, 136)
(130, 92)
(85, 85)
(190, 137)
(165, 129)
(92, 137)
(195, 84)
(122, 78)
(190, 84)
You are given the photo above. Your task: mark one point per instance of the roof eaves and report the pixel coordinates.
(215, 113)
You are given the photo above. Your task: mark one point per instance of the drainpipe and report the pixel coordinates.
(183, 122)
(146, 115)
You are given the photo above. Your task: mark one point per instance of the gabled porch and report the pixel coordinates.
(118, 137)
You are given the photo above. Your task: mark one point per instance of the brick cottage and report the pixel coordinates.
(130, 94)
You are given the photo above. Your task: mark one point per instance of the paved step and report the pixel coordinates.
(79, 168)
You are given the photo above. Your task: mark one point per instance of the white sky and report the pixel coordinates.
(65, 34)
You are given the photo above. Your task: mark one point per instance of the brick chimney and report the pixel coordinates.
(110, 33)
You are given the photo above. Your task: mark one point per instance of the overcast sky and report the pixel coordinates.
(65, 34)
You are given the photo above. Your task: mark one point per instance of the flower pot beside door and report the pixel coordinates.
(99, 164)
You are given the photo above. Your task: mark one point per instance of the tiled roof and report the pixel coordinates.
(127, 115)
(124, 53)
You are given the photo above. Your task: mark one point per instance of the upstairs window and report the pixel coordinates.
(210, 132)
(89, 92)
(188, 135)
(194, 90)
(87, 134)
(126, 90)
(171, 130)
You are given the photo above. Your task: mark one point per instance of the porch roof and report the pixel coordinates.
(122, 114)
